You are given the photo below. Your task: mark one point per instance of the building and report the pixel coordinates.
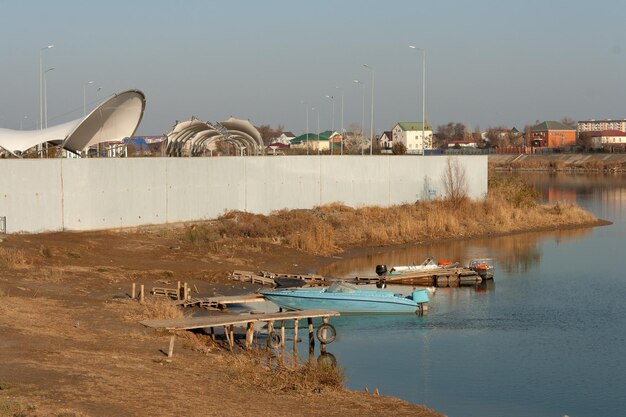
(601, 125)
(610, 139)
(284, 138)
(411, 135)
(311, 141)
(551, 134)
(386, 141)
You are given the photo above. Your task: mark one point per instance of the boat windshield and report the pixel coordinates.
(341, 287)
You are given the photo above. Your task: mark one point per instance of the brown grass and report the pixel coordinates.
(253, 369)
(510, 206)
(160, 308)
(13, 258)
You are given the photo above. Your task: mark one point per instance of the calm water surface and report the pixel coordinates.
(546, 338)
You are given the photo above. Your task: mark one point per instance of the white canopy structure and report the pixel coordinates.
(116, 118)
(192, 137)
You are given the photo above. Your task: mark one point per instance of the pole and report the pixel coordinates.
(372, 115)
(423, 95)
(85, 97)
(341, 120)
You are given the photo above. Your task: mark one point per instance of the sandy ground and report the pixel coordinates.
(71, 344)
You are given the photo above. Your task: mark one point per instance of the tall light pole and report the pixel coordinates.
(360, 83)
(339, 88)
(318, 129)
(372, 121)
(45, 98)
(332, 98)
(306, 107)
(41, 84)
(85, 97)
(423, 89)
(21, 124)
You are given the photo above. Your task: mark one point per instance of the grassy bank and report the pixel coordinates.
(510, 206)
(560, 162)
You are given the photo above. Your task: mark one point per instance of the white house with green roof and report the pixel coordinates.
(415, 136)
(311, 141)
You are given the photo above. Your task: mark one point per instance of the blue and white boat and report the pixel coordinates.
(346, 298)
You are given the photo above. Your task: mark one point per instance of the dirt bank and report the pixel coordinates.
(71, 344)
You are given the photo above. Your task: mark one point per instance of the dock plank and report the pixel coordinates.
(189, 323)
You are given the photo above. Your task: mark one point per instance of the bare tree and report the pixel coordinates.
(398, 148)
(568, 121)
(354, 140)
(454, 182)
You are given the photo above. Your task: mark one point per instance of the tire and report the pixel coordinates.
(327, 359)
(273, 339)
(331, 333)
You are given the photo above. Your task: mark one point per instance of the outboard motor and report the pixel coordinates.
(381, 270)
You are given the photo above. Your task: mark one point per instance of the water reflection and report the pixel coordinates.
(512, 254)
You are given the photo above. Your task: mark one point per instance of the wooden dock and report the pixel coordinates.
(221, 302)
(269, 278)
(229, 321)
(441, 277)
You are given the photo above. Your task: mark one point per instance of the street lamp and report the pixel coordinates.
(332, 98)
(318, 129)
(41, 85)
(85, 97)
(307, 125)
(360, 83)
(45, 97)
(339, 88)
(21, 120)
(423, 88)
(372, 122)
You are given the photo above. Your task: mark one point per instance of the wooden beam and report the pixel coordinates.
(311, 333)
(295, 334)
(170, 351)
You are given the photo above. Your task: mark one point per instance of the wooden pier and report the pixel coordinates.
(441, 277)
(275, 339)
(269, 278)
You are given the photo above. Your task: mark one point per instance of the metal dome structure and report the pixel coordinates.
(116, 118)
(193, 137)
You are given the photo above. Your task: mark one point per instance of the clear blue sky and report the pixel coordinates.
(489, 63)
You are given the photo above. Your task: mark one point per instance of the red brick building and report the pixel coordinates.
(551, 134)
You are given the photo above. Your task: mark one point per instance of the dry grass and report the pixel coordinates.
(510, 206)
(252, 369)
(160, 308)
(13, 258)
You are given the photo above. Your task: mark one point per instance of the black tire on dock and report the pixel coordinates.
(331, 333)
(273, 339)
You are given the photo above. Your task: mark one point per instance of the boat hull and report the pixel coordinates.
(315, 299)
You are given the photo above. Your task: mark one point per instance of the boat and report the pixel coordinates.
(483, 267)
(346, 298)
(428, 265)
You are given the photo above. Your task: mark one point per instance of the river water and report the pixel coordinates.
(546, 338)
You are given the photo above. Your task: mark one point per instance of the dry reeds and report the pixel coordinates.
(510, 206)
(251, 368)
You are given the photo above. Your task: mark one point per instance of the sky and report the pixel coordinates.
(488, 63)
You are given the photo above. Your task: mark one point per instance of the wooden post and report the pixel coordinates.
(282, 334)
(213, 333)
(249, 334)
(311, 334)
(295, 334)
(185, 291)
(231, 330)
(178, 291)
(133, 292)
(141, 294)
(323, 345)
(227, 334)
(170, 352)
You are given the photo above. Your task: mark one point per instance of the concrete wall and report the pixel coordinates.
(88, 194)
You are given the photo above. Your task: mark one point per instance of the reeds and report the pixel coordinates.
(510, 206)
(160, 308)
(13, 258)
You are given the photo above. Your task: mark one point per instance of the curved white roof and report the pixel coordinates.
(116, 118)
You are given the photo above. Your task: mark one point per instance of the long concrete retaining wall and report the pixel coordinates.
(91, 194)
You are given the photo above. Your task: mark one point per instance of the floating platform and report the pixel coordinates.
(271, 279)
(440, 277)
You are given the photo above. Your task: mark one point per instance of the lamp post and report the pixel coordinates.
(21, 120)
(372, 121)
(85, 97)
(332, 98)
(41, 84)
(339, 88)
(423, 89)
(318, 129)
(306, 107)
(359, 83)
(45, 97)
